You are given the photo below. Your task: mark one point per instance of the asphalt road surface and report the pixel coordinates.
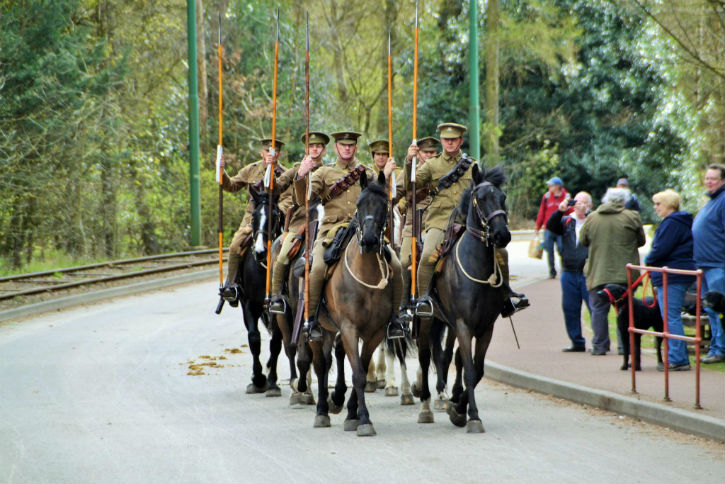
(103, 394)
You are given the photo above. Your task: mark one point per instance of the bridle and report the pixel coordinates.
(359, 227)
(484, 234)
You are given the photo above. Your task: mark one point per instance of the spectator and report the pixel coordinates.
(672, 247)
(573, 258)
(708, 232)
(632, 202)
(613, 235)
(550, 204)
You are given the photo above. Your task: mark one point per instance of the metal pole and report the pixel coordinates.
(194, 181)
(474, 109)
(308, 242)
(220, 159)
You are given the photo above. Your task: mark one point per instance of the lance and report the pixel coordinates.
(412, 208)
(308, 242)
(220, 160)
(391, 223)
(269, 176)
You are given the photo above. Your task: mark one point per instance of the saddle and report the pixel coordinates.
(339, 242)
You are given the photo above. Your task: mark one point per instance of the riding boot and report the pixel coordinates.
(279, 273)
(310, 328)
(510, 306)
(424, 305)
(230, 291)
(397, 326)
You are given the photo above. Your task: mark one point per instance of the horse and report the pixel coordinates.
(251, 280)
(468, 295)
(357, 304)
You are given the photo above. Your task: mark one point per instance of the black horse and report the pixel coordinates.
(468, 295)
(251, 279)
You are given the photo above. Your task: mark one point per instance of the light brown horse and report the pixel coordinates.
(358, 302)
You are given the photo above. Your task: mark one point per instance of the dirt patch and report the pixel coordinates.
(204, 362)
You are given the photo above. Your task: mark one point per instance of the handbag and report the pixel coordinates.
(536, 250)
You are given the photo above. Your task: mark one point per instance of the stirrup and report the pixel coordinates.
(277, 305)
(424, 307)
(395, 330)
(230, 293)
(311, 331)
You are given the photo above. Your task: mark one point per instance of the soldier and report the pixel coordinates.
(450, 165)
(250, 177)
(339, 208)
(379, 149)
(296, 219)
(425, 148)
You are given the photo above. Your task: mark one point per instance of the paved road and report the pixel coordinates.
(102, 394)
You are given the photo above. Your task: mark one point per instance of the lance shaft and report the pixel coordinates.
(272, 167)
(220, 163)
(308, 242)
(391, 219)
(413, 208)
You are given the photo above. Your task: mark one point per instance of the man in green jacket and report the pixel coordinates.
(613, 235)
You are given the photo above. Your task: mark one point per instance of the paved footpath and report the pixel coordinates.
(595, 380)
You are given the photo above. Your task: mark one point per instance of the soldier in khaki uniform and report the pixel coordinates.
(441, 206)
(379, 149)
(338, 212)
(317, 144)
(248, 177)
(425, 148)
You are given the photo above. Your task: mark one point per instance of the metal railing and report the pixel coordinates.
(665, 334)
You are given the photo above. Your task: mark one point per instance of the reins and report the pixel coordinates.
(484, 236)
(384, 271)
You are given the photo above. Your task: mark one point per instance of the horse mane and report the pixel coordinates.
(495, 176)
(377, 189)
(462, 207)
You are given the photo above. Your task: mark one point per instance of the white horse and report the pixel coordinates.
(381, 372)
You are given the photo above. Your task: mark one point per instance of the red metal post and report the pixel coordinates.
(631, 329)
(666, 331)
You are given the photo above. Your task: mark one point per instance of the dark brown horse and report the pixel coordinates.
(358, 303)
(468, 295)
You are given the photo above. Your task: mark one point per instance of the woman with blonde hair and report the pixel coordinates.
(672, 247)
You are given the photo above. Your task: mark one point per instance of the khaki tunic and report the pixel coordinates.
(443, 204)
(340, 210)
(285, 180)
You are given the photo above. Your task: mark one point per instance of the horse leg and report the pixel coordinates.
(350, 343)
(474, 425)
(442, 401)
(251, 318)
(391, 389)
(320, 353)
(337, 399)
(370, 381)
(406, 395)
(425, 415)
(381, 365)
(365, 426)
(275, 348)
(457, 389)
(457, 412)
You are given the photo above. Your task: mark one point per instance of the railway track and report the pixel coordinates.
(23, 286)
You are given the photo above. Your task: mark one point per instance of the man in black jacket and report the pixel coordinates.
(573, 258)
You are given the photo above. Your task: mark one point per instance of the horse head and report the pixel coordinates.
(487, 206)
(372, 212)
(261, 216)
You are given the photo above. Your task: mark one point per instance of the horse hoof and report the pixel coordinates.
(370, 386)
(321, 421)
(351, 424)
(380, 384)
(406, 399)
(425, 416)
(273, 392)
(307, 399)
(333, 407)
(252, 388)
(365, 430)
(441, 405)
(391, 392)
(457, 419)
(416, 391)
(475, 427)
(295, 400)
